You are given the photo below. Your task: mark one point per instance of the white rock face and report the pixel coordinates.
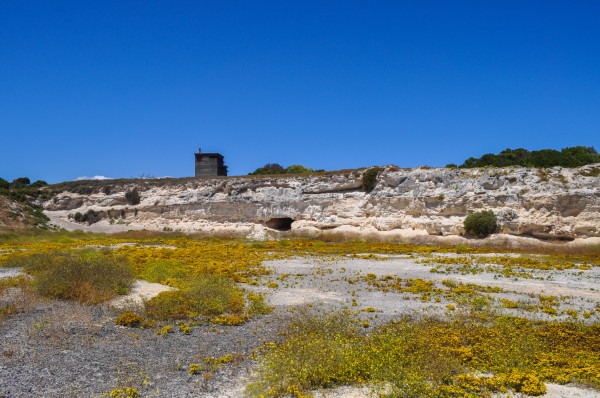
(555, 203)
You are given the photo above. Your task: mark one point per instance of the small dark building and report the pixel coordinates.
(210, 164)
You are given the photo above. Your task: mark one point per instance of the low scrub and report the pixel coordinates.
(204, 295)
(90, 217)
(164, 271)
(130, 319)
(85, 276)
(428, 357)
(10, 301)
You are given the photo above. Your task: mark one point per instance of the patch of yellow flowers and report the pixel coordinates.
(469, 356)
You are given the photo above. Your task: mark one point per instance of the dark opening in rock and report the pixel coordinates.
(280, 224)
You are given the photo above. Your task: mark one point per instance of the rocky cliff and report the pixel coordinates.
(555, 203)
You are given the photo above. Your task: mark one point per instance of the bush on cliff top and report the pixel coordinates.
(274, 168)
(567, 157)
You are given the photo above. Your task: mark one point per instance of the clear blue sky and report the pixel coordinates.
(130, 88)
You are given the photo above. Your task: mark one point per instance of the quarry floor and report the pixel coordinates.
(60, 349)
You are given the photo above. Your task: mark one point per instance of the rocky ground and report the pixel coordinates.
(60, 349)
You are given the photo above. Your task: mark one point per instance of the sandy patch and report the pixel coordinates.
(304, 296)
(140, 292)
(568, 391)
(10, 272)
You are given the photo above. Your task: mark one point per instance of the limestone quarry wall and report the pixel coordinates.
(555, 203)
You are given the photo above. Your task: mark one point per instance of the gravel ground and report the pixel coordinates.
(60, 349)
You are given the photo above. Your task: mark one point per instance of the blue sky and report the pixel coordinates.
(130, 88)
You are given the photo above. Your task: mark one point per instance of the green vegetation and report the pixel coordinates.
(85, 276)
(369, 178)
(470, 351)
(130, 319)
(133, 196)
(428, 357)
(274, 168)
(203, 295)
(20, 182)
(22, 190)
(38, 184)
(481, 224)
(91, 216)
(298, 169)
(567, 157)
(127, 392)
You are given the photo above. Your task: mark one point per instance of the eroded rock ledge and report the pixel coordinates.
(555, 203)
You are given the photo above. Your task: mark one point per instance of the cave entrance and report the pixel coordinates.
(280, 224)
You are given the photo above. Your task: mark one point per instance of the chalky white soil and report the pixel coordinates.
(140, 292)
(312, 280)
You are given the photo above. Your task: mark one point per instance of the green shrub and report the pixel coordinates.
(133, 197)
(481, 224)
(39, 218)
(91, 216)
(215, 295)
(195, 369)
(165, 331)
(369, 178)
(298, 169)
(170, 305)
(425, 357)
(4, 184)
(269, 168)
(274, 168)
(20, 182)
(38, 184)
(162, 271)
(567, 157)
(130, 319)
(204, 295)
(185, 329)
(89, 277)
(257, 304)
